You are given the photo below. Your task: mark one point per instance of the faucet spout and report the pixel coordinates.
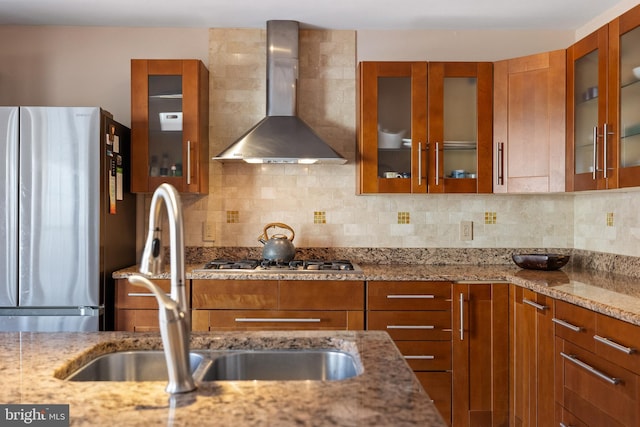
(175, 325)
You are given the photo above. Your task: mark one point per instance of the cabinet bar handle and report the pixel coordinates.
(188, 162)
(425, 357)
(437, 164)
(594, 371)
(419, 163)
(410, 327)
(564, 425)
(277, 319)
(142, 294)
(535, 304)
(605, 138)
(613, 344)
(410, 296)
(500, 163)
(595, 152)
(461, 317)
(568, 325)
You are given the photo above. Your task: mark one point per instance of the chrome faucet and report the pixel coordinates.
(175, 325)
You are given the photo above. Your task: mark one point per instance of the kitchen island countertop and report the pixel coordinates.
(387, 393)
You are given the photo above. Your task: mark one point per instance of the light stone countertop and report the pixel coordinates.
(615, 295)
(385, 394)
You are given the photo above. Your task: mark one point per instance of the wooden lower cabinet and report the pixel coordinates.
(597, 368)
(277, 305)
(480, 342)
(136, 309)
(531, 358)
(417, 315)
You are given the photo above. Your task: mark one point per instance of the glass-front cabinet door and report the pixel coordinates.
(460, 127)
(587, 113)
(169, 125)
(392, 99)
(625, 68)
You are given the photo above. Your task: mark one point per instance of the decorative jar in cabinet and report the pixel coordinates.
(169, 125)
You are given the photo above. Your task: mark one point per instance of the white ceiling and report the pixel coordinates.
(327, 14)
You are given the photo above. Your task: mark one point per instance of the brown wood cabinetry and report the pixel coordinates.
(603, 125)
(136, 308)
(277, 304)
(443, 110)
(531, 358)
(169, 125)
(417, 315)
(529, 123)
(597, 381)
(480, 354)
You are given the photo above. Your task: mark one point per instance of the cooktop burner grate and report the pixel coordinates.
(310, 265)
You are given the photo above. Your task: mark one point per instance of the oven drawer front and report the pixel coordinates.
(412, 325)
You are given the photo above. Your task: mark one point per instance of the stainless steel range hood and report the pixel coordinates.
(281, 137)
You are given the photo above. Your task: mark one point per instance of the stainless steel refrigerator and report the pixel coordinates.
(67, 220)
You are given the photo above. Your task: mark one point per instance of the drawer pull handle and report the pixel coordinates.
(425, 357)
(613, 344)
(568, 325)
(461, 317)
(535, 304)
(410, 327)
(410, 296)
(277, 319)
(591, 369)
(142, 294)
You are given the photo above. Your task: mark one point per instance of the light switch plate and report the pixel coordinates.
(208, 232)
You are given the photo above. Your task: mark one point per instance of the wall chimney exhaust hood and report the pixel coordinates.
(281, 137)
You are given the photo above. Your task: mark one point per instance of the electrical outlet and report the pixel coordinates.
(466, 230)
(208, 232)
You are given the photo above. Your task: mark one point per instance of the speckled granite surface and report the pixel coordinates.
(385, 394)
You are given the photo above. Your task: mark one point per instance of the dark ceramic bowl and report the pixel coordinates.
(540, 261)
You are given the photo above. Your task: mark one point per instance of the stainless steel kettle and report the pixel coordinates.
(277, 248)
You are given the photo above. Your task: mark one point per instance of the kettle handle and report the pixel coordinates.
(280, 225)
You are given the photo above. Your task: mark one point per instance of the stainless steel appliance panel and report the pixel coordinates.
(9, 206)
(59, 203)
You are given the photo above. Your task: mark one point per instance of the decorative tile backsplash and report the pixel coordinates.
(319, 201)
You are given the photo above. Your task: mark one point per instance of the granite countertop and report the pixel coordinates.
(615, 295)
(385, 394)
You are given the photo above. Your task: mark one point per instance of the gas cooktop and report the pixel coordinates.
(296, 266)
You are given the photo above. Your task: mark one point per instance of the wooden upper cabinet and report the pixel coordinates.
(529, 123)
(392, 100)
(428, 124)
(603, 117)
(169, 125)
(460, 128)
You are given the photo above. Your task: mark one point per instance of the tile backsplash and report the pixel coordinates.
(319, 201)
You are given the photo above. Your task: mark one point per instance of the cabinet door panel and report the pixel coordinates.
(412, 325)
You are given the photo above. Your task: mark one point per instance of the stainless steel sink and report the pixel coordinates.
(237, 365)
(141, 365)
(282, 365)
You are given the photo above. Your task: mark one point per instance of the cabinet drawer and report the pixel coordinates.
(438, 387)
(243, 320)
(597, 390)
(412, 325)
(409, 296)
(235, 294)
(132, 296)
(575, 324)
(137, 320)
(618, 342)
(566, 418)
(426, 355)
(321, 295)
